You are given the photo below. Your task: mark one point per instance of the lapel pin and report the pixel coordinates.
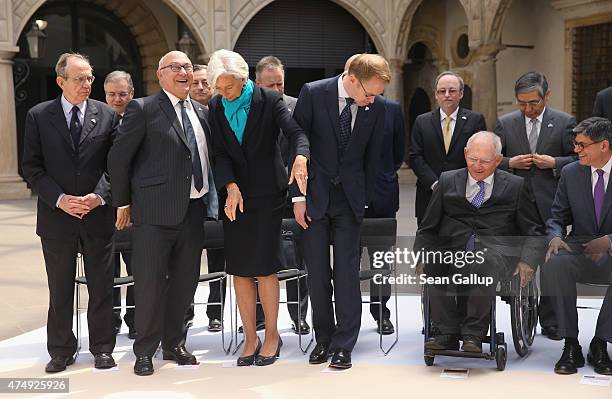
(464, 117)
(94, 121)
(550, 125)
(367, 108)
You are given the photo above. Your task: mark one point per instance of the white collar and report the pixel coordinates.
(488, 180)
(453, 115)
(175, 100)
(606, 168)
(341, 90)
(67, 106)
(539, 118)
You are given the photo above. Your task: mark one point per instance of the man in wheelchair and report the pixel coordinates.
(583, 202)
(478, 228)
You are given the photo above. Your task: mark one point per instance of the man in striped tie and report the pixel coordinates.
(481, 219)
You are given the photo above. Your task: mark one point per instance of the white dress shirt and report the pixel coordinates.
(200, 140)
(606, 176)
(342, 95)
(472, 188)
(538, 123)
(453, 117)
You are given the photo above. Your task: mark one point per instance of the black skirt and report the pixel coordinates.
(252, 240)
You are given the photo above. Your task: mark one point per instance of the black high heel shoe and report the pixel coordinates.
(268, 360)
(249, 360)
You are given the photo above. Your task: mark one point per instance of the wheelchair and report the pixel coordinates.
(523, 303)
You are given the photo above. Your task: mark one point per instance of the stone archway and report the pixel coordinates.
(364, 14)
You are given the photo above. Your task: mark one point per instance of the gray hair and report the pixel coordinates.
(450, 73)
(531, 81)
(224, 62)
(491, 137)
(62, 63)
(269, 62)
(199, 67)
(595, 128)
(117, 76)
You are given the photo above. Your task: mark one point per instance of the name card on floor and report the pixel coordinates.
(455, 373)
(599, 380)
(188, 366)
(116, 368)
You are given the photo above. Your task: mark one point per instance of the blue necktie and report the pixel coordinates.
(75, 127)
(196, 164)
(345, 126)
(477, 201)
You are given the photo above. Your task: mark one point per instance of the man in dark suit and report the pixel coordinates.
(119, 91)
(603, 104)
(64, 160)
(439, 137)
(582, 201)
(485, 211)
(537, 144)
(341, 116)
(270, 74)
(164, 143)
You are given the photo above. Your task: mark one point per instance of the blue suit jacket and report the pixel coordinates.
(573, 205)
(317, 113)
(385, 202)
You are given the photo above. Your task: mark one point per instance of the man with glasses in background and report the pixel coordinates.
(119, 91)
(439, 137)
(160, 168)
(64, 160)
(537, 144)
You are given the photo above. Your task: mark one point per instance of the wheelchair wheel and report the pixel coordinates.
(501, 357)
(429, 359)
(524, 318)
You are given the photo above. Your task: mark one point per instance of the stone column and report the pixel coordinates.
(395, 89)
(484, 90)
(12, 185)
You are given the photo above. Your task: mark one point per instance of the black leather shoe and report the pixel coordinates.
(341, 359)
(443, 342)
(304, 327)
(180, 355)
(570, 360)
(132, 333)
(598, 356)
(551, 332)
(59, 363)
(214, 325)
(104, 361)
(472, 343)
(259, 326)
(320, 353)
(268, 360)
(385, 327)
(143, 365)
(249, 360)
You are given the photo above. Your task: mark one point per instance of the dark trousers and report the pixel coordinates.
(166, 266)
(560, 274)
(60, 258)
(129, 297)
(464, 309)
(340, 228)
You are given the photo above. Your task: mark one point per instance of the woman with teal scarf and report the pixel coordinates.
(245, 121)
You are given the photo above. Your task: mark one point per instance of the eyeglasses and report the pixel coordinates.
(452, 92)
(582, 146)
(532, 104)
(365, 92)
(484, 162)
(121, 94)
(174, 67)
(80, 80)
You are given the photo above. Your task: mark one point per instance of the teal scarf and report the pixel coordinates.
(237, 111)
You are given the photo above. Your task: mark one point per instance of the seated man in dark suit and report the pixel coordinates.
(583, 202)
(603, 104)
(485, 212)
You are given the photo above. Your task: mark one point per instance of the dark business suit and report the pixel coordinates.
(168, 231)
(603, 104)
(53, 166)
(339, 188)
(501, 225)
(385, 202)
(573, 205)
(428, 157)
(555, 139)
